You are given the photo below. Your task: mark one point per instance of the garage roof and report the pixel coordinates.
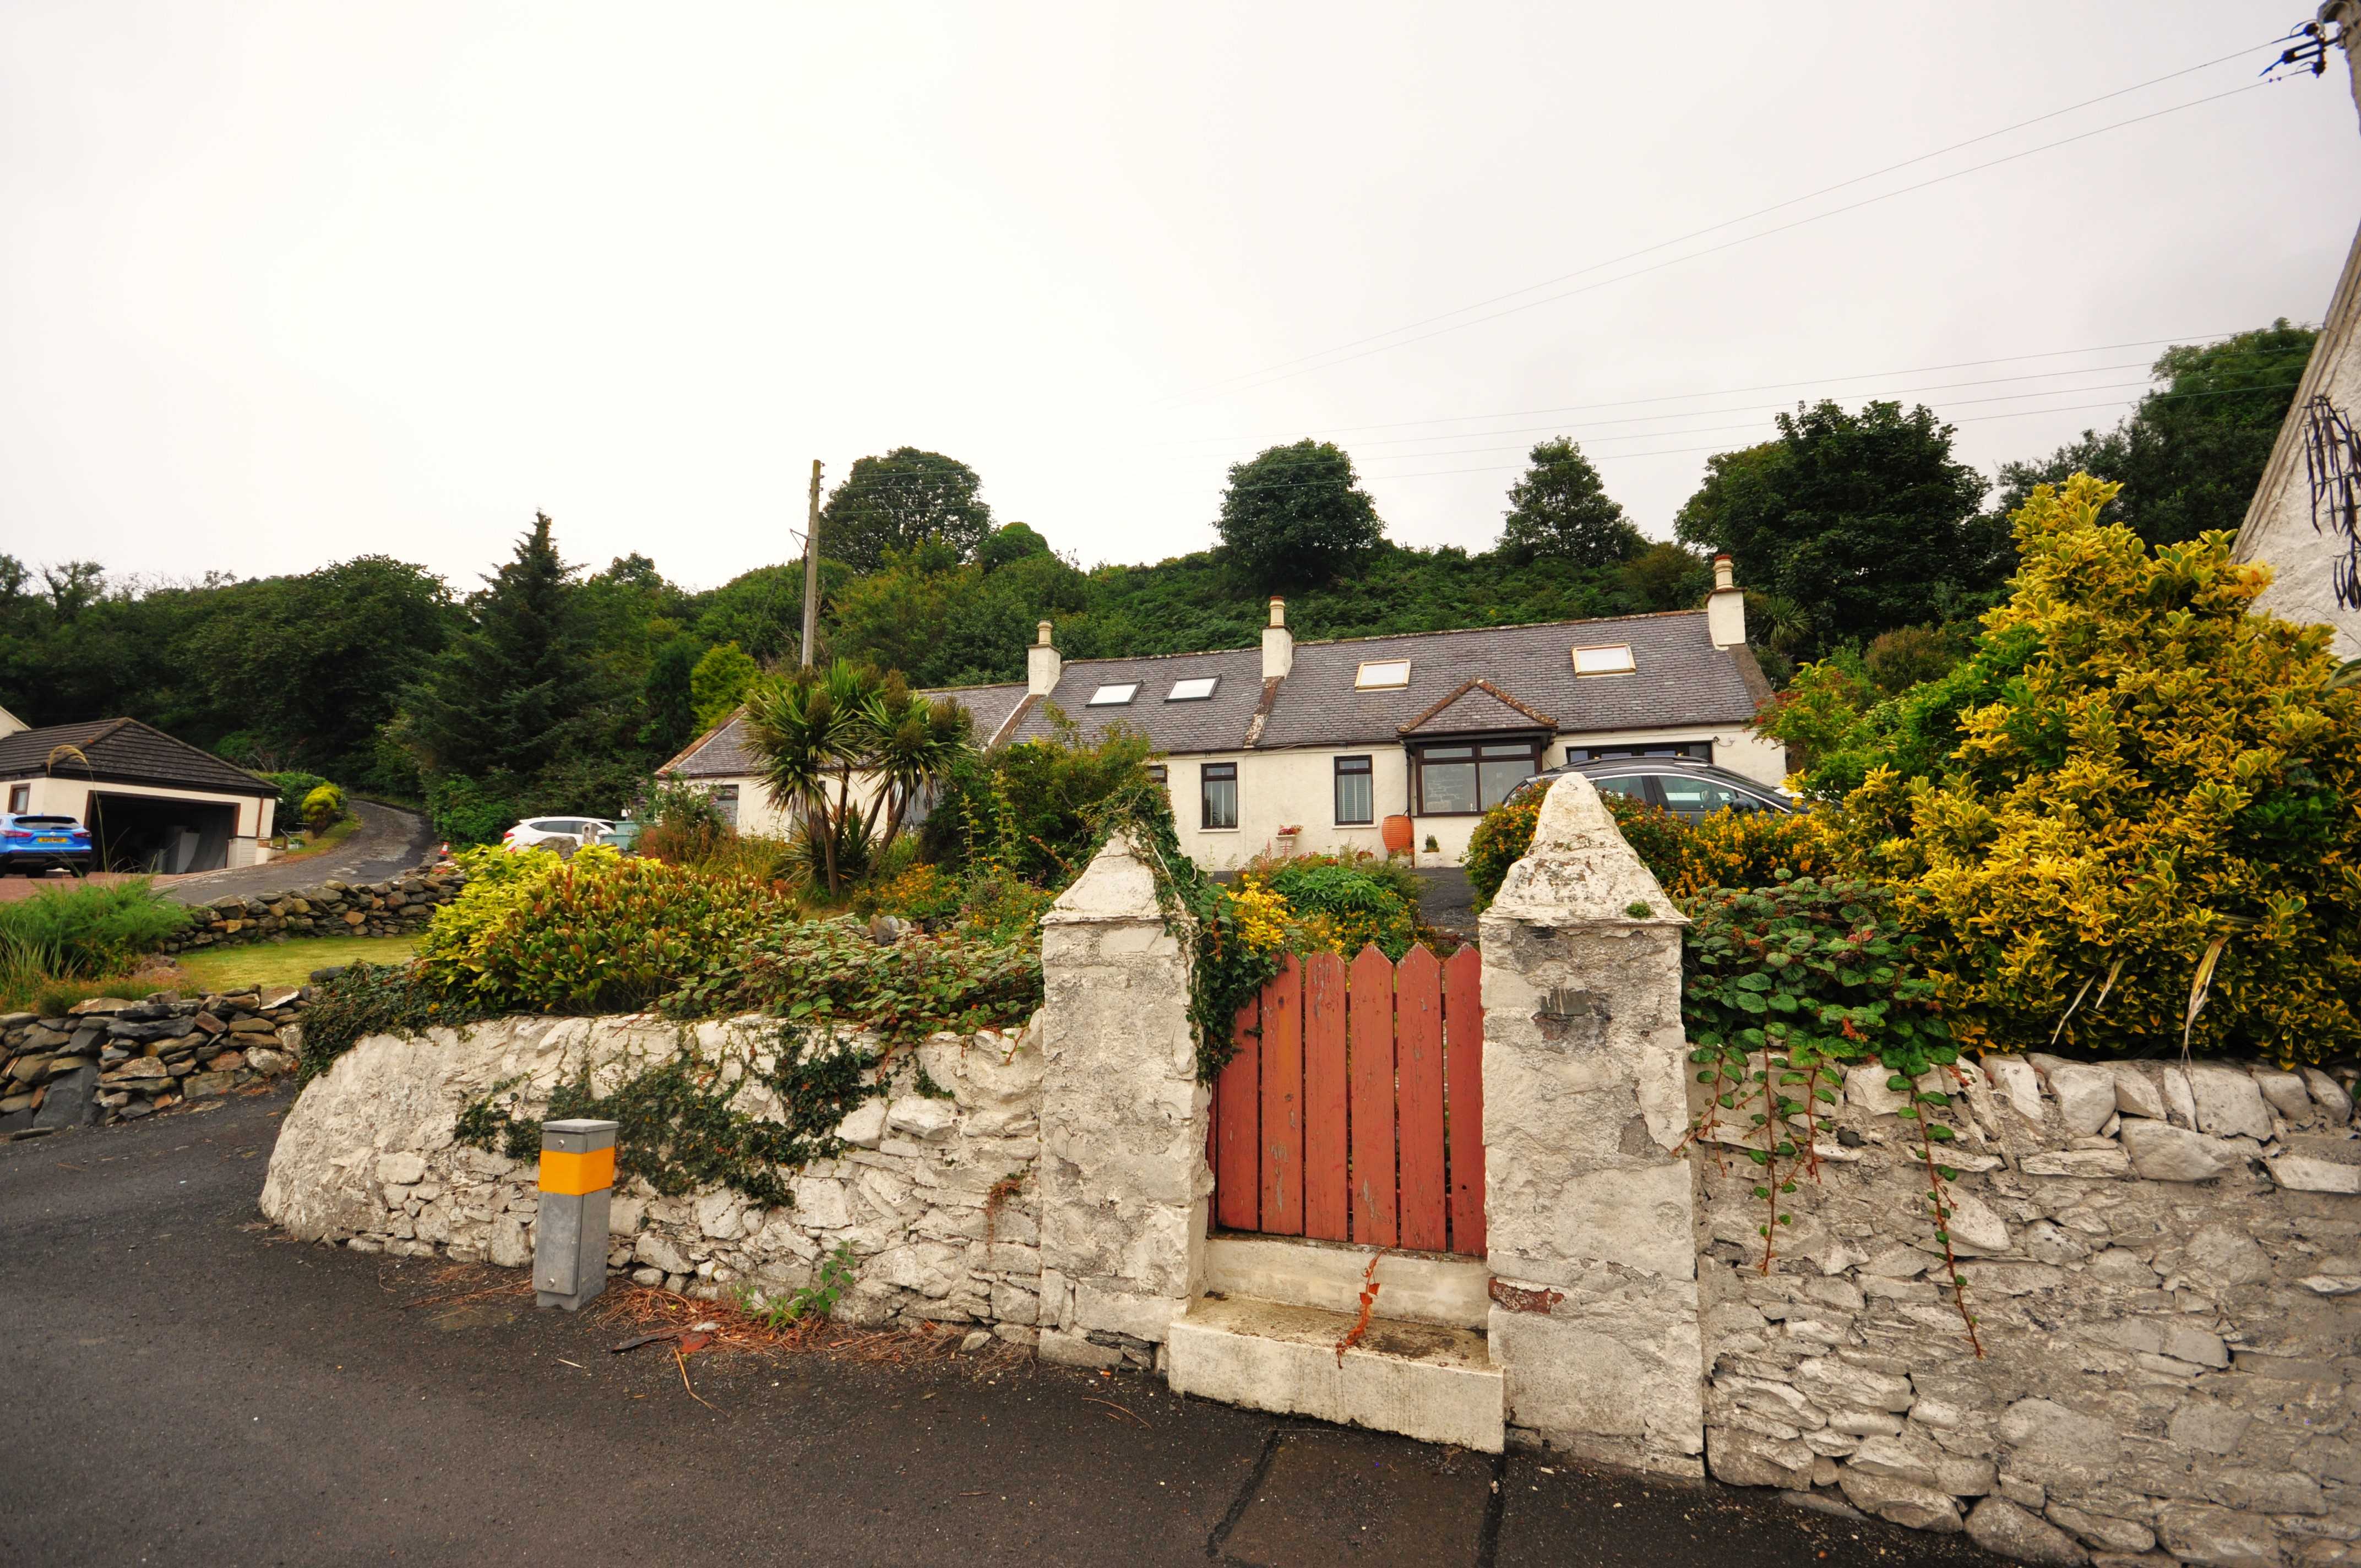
(124, 751)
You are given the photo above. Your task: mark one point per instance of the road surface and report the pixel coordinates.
(186, 1386)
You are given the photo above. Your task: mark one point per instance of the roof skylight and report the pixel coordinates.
(1381, 674)
(1196, 688)
(1614, 659)
(1114, 695)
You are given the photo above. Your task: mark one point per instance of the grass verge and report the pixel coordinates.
(287, 964)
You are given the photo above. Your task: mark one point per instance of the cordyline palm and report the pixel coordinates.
(910, 741)
(807, 730)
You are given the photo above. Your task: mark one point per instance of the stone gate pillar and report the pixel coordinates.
(1124, 1181)
(1590, 1216)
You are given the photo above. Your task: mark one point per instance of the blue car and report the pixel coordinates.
(31, 845)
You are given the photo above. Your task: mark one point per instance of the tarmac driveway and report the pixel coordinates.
(187, 1387)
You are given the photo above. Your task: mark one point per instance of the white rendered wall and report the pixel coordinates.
(70, 797)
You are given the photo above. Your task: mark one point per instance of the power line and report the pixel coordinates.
(1745, 239)
(1752, 424)
(2186, 338)
(1762, 212)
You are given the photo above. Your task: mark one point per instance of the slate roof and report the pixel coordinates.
(1478, 707)
(725, 752)
(124, 751)
(720, 753)
(1679, 678)
(1486, 680)
(1217, 723)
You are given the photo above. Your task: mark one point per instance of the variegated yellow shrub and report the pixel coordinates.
(2171, 770)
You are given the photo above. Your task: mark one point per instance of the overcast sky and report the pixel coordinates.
(286, 283)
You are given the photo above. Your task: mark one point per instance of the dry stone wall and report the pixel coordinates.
(390, 908)
(2165, 1266)
(112, 1060)
(932, 1194)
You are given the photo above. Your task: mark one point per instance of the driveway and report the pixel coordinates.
(187, 1387)
(389, 842)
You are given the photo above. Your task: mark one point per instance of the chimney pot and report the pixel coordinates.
(1041, 635)
(1725, 574)
(1278, 611)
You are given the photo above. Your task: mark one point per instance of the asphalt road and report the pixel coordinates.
(389, 842)
(184, 1387)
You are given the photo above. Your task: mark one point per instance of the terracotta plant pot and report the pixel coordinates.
(1397, 835)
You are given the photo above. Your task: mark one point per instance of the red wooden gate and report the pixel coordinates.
(1353, 1110)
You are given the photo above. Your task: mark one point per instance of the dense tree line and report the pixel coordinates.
(553, 687)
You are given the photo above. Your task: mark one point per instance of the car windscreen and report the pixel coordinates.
(1700, 797)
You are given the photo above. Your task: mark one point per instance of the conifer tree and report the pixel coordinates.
(513, 692)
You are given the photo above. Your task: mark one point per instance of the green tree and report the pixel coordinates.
(514, 689)
(309, 668)
(763, 610)
(718, 683)
(1296, 517)
(1012, 542)
(1665, 576)
(900, 501)
(1561, 508)
(2190, 456)
(668, 697)
(1859, 522)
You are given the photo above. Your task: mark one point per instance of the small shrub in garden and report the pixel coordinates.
(833, 972)
(294, 788)
(531, 933)
(324, 807)
(1729, 848)
(83, 932)
(1343, 907)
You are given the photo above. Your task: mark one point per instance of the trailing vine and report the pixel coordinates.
(679, 1123)
(1784, 988)
(1226, 970)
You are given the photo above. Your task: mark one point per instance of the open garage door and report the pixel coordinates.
(157, 833)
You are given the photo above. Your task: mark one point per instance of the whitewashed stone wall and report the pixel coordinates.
(1124, 1176)
(2166, 1271)
(368, 1159)
(1589, 1211)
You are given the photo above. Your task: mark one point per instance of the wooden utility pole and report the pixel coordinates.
(811, 568)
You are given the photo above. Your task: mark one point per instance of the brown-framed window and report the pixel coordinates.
(1357, 793)
(1155, 771)
(1469, 779)
(1217, 795)
(20, 797)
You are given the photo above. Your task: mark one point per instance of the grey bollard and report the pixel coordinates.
(569, 1242)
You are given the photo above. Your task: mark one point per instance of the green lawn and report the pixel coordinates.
(287, 964)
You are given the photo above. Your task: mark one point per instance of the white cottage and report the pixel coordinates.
(1313, 746)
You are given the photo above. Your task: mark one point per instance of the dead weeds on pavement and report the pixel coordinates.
(646, 1309)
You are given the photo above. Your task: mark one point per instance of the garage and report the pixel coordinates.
(152, 803)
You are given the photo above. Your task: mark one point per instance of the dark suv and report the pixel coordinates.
(32, 845)
(1681, 785)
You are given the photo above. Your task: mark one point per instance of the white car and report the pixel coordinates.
(555, 833)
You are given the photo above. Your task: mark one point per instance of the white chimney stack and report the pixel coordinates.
(1725, 612)
(1278, 643)
(1042, 665)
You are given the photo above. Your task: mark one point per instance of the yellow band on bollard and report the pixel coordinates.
(574, 1174)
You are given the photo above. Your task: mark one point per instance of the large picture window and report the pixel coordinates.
(1356, 798)
(1217, 795)
(1466, 781)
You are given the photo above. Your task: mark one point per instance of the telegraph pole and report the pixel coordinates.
(811, 568)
